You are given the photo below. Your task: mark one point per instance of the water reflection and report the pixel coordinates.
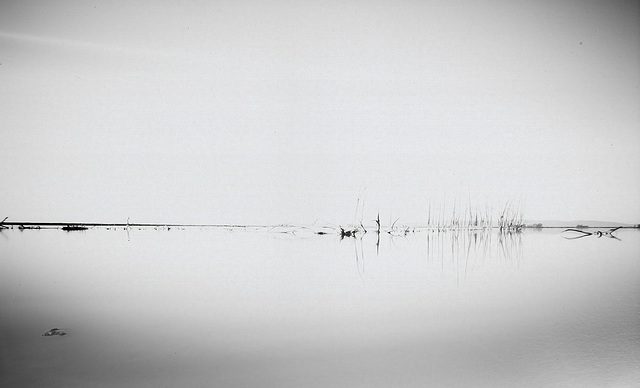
(467, 250)
(457, 251)
(285, 308)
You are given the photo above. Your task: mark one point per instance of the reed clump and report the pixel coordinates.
(473, 218)
(509, 219)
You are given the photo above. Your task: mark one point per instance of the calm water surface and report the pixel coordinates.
(211, 307)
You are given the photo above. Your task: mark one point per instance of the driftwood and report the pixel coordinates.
(598, 233)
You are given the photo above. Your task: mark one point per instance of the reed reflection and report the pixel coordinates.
(459, 252)
(465, 250)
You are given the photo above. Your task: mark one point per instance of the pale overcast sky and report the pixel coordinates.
(282, 111)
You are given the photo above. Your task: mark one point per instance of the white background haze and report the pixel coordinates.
(285, 112)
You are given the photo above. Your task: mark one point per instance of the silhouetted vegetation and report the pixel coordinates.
(69, 228)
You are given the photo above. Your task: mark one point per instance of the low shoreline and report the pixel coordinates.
(87, 225)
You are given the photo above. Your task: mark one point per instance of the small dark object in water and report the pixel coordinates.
(347, 233)
(74, 227)
(54, 331)
(22, 227)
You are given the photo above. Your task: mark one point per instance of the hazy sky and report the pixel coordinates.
(283, 111)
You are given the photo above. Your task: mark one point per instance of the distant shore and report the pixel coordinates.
(87, 225)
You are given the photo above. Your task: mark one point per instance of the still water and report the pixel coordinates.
(225, 308)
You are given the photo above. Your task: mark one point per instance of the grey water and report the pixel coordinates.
(231, 308)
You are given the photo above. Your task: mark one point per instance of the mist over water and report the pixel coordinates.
(262, 113)
(226, 307)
